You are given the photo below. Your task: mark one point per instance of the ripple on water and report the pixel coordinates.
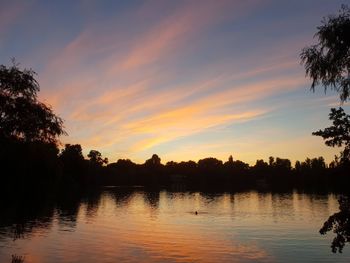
(126, 225)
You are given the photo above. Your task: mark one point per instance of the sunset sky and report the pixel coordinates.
(183, 79)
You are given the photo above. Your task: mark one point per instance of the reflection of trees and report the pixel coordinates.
(17, 259)
(152, 199)
(68, 213)
(22, 217)
(340, 224)
(93, 201)
(122, 196)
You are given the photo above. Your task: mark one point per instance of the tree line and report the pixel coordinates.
(41, 166)
(31, 161)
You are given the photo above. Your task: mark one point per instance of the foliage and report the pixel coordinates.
(96, 158)
(210, 164)
(72, 153)
(340, 224)
(339, 133)
(328, 61)
(154, 161)
(22, 116)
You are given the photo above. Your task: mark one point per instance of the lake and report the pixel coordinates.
(132, 225)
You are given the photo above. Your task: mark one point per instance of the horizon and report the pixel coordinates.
(178, 80)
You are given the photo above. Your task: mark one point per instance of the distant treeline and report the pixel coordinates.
(31, 162)
(41, 167)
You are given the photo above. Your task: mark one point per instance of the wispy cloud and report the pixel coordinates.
(182, 126)
(161, 72)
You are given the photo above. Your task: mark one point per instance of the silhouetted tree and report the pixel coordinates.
(210, 164)
(328, 61)
(239, 166)
(22, 116)
(123, 164)
(230, 159)
(188, 168)
(96, 158)
(153, 162)
(340, 224)
(261, 166)
(73, 163)
(338, 134)
(297, 166)
(29, 132)
(318, 164)
(72, 153)
(280, 164)
(154, 169)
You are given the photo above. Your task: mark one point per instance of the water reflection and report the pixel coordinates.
(17, 259)
(133, 225)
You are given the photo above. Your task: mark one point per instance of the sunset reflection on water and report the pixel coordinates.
(126, 225)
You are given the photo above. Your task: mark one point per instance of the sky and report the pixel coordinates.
(183, 79)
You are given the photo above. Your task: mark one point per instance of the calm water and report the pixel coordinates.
(136, 226)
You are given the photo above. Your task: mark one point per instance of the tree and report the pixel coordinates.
(297, 166)
(283, 165)
(340, 224)
(328, 61)
(318, 164)
(153, 162)
(96, 158)
(73, 162)
(210, 164)
(338, 134)
(22, 116)
(230, 159)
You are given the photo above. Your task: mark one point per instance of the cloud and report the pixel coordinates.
(185, 127)
(127, 84)
(167, 122)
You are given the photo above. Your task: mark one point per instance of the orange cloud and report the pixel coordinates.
(165, 121)
(186, 127)
(116, 89)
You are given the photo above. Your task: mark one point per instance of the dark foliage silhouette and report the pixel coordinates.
(153, 162)
(29, 132)
(23, 117)
(17, 259)
(338, 134)
(340, 224)
(73, 164)
(328, 61)
(96, 158)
